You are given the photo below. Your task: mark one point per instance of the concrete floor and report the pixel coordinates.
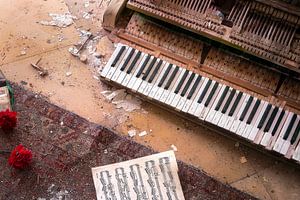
(261, 176)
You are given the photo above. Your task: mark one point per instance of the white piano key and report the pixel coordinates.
(156, 81)
(211, 113)
(287, 143)
(193, 108)
(112, 58)
(236, 122)
(244, 130)
(231, 119)
(255, 130)
(268, 135)
(123, 73)
(177, 97)
(132, 77)
(207, 108)
(280, 141)
(172, 94)
(188, 102)
(116, 72)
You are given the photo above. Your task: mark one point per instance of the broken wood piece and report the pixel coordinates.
(42, 72)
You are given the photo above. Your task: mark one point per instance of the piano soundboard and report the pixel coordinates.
(205, 99)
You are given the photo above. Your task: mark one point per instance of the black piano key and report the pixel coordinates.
(155, 71)
(181, 81)
(296, 133)
(255, 107)
(192, 91)
(278, 122)
(143, 66)
(136, 58)
(171, 79)
(271, 119)
(118, 56)
(127, 59)
(222, 98)
(211, 94)
(149, 68)
(288, 130)
(188, 84)
(162, 80)
(235, 104)
(228, 101)
(264, 117)
(204, 91)
(246, 108)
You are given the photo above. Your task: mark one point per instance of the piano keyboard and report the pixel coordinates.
(253, 119)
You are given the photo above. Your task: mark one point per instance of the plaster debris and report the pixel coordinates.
(174, 148)
(122, 100)
(23, 52)
(237, 144)
(105, 151)
(243, 159)
(59, 20)
(132, 133)
(68, 74)
(143, 133)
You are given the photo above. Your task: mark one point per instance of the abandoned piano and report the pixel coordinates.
(233, 66)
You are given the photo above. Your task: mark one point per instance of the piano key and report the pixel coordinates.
(277, 129)
(279, 142)
(165, 67)
(117, 68)
(131, 78)
(257, 136)
(113, 57)
(234, 110)
(188, 84)
(180, 87)
(128, 59)
(243, 119)
(198, 93)
(203, 95)
(236, 121)
(250, 120)
(296, 133)
(175, 84)
(209, 99)
(220, 107)
(288, 135)
(169, 87)
(126, 64)
(145, 78)
(192, 93)
(134, 62)
(230, 101)
(112, 70)
(167, 74)
(185, 92)
(275, 116)
(123, 48)
(143, 67)
(149, 68)
(152, 81)
(211, 113)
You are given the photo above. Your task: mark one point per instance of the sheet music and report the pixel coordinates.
(152, 177)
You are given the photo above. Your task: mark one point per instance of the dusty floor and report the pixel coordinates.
(261, 176)
(65, 153)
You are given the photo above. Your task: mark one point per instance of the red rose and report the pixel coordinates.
(20, 157)
(8, 119)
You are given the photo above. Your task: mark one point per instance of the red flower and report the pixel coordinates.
(8, 119)
(20, 157)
